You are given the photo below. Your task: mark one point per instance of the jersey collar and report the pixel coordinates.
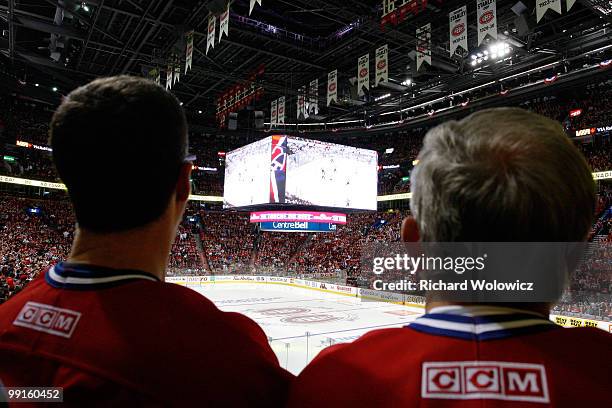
(480, 322)
(66, 275)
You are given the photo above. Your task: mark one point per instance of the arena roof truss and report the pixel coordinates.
(69, 42)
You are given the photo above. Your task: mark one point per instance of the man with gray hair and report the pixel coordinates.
(499, 175)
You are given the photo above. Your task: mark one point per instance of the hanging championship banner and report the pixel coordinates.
(363, 74)
(313, 97)
(189, 51)
(224, 23)
(458, 30)
(486, 12)
(382, 70)
(210, 40)
(273, 113)
(280, 109)
(177, 73)
(305, 102)
(252, 4)
(423, 45)
(543, 5)
(301, 112)
(570, 4)
(169, 77)
(332, 87)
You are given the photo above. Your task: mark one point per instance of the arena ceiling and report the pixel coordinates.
(69, 42)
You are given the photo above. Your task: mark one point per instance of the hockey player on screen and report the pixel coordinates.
(103, 324)
(499, 175)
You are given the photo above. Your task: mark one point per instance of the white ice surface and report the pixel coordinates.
(301, 322)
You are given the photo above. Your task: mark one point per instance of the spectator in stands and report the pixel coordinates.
(498, 175)
(122, 336)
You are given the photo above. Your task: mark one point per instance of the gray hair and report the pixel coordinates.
(502, 174)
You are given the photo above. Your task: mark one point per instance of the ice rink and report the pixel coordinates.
(301, 322)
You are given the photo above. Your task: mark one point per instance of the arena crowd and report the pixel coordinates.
(37, 233)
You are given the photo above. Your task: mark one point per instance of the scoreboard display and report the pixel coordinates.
(289, 170)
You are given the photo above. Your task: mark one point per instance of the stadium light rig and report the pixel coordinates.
(407, 82)
(497, 51)
(379, 98)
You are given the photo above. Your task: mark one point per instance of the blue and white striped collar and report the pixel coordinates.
(480, 322)
(87, 277)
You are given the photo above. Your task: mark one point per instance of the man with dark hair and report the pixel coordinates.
(499, 175)
(103, 325)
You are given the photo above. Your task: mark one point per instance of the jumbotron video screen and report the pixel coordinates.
(295, 171)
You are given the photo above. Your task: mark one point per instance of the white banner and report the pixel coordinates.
(177, 73)
(273, 113)
(332, 87)
(570, 4)
(252, 4)
(189, 51)
(169, 77)
(363, 74)
(458, 30)
(423, 45)
(301, 111)
(306, 99)
(382, 68)
(486, 13)
(543, 5)
(281, 110)
(224, 23)
(210, 40)
(313, 97)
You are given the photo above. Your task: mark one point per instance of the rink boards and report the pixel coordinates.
(366, 294)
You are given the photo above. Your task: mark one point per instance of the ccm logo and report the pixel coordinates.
(484, 380)
(48, 319)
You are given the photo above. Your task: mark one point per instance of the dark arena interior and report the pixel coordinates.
(321, 134)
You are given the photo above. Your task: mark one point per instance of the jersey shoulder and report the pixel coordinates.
(363, 366)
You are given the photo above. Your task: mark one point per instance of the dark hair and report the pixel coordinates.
(502, 174)
(118, 145)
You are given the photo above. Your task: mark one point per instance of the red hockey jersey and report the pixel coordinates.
(123, 338)
(456, 356)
